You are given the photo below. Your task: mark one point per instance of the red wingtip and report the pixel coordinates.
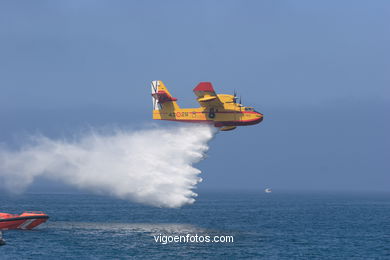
(204, 86)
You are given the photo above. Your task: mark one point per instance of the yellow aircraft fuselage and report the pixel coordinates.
(221, 110)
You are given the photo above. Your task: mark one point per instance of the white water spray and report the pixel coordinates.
(153, 166)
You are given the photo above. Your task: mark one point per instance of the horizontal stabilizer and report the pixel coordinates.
(163, 97)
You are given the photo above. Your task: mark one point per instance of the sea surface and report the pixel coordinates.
(263, 226)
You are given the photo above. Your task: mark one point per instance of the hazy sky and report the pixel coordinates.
(318, 70)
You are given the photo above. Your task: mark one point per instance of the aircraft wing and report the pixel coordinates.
(206, 95)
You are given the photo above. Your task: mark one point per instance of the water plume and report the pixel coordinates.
(151, 166)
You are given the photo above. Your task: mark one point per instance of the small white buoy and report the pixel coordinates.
(2, 240)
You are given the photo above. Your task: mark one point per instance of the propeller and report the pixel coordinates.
(235, 97)
(240, 102)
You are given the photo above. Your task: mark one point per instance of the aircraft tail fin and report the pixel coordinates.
(161, 97)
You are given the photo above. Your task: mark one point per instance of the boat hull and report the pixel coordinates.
(23, 221)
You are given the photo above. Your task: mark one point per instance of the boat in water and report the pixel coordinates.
(267, 190)
(26, 220)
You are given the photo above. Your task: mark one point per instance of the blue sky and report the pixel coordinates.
(319, 71)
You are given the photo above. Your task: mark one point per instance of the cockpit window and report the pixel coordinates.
(249, 109)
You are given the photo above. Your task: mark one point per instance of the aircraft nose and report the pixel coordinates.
(260, 117)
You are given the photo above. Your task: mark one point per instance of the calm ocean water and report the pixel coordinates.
(264, 226)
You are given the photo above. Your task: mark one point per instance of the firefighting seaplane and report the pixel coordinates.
(221, 110)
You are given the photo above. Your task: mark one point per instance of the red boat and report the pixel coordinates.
(26, 220)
